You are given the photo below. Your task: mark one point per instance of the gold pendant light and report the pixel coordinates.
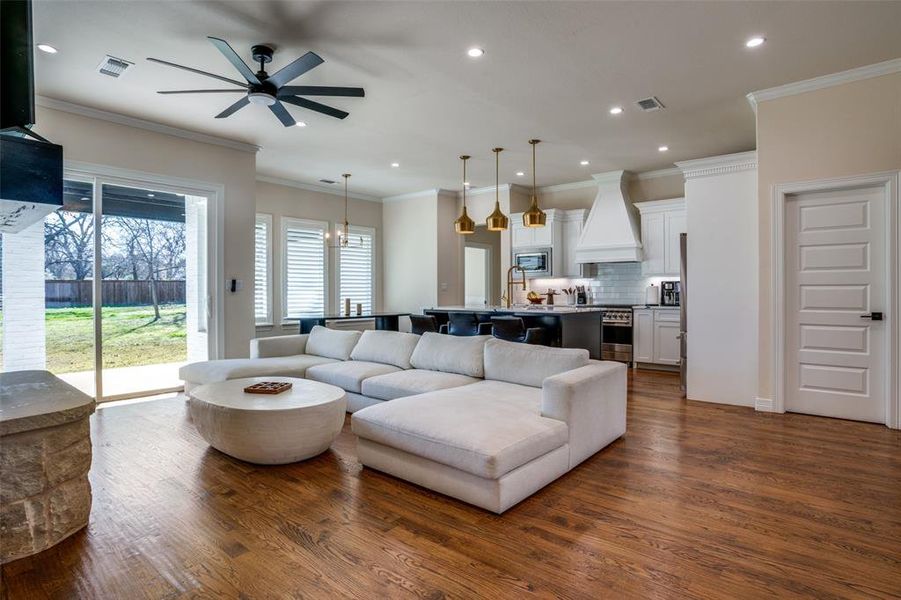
(497, 220)
(534, 217)
(464, 225)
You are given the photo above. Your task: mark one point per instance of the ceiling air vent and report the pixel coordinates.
(328, 181)
(112, 66)
(650, 104)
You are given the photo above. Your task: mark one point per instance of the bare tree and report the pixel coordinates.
(159, 245)
(69, 244)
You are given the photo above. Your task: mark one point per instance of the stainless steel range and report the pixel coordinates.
(616, 333)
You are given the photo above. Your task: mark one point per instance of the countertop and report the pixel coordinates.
(557, 309)
(655, 307)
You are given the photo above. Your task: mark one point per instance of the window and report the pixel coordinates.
(303, 267)
(262, 270)
(355, 270)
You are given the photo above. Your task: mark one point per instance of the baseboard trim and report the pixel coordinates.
(763, 404)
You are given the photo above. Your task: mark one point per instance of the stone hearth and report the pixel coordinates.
(45, 455)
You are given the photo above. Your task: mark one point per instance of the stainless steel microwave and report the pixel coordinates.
(536, 262)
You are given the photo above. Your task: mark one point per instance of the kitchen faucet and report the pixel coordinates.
(511, 282)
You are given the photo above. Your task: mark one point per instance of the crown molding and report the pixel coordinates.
(315, 188)
(887, 67)
(119, 119)
(489, 189)
(718, 165)
(429, 193)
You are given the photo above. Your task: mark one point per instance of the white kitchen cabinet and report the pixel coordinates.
(666, 343)
(661, 223)
(560, 233)
(570, 231)
(643, 335)
(655, 336)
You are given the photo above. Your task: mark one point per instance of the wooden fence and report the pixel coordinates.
(60, 293)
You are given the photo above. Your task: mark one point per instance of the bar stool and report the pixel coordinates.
(466, 324)
(423, 323)
(512, 329)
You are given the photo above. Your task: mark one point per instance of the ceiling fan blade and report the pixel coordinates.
(198, 71)
(233, 108)
(309, 104)
(232, 57)
(279, 110)
(320, 90)
(202, 92)
(296, 69)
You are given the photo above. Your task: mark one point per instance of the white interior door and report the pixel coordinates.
(477, 274)
(835, 257)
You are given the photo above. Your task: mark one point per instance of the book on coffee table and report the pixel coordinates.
(268, 387)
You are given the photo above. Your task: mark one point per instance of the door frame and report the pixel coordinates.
(99, 175)
(890, 181)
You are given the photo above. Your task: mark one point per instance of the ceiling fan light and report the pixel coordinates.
(261, 98)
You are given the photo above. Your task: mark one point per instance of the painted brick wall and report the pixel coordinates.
(23, 299)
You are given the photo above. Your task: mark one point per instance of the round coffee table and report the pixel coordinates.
(268, 429)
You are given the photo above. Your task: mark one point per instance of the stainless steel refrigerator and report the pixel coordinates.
(683, 315)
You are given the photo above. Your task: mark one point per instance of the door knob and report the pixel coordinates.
(874, 316)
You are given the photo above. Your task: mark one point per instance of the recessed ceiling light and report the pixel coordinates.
(616, 110)
(300, 124)
(755, 41)
(519, 173)
(395, 165)
(663, 148)
(150, 195)
(475, 52)
(584, 163)
(47, 48)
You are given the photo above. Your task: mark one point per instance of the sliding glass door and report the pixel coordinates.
(112, 291)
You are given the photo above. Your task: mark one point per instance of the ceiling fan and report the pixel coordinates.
(269, 90)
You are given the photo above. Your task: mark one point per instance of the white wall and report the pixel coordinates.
(410, 251)
(23, 299)
(722, 287)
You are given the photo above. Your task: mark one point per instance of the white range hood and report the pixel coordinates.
(611, 232)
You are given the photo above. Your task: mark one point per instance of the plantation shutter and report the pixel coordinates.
(262, 304)
(304, 265)
(356, 270)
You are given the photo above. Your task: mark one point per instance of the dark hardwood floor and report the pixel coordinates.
(696, 501)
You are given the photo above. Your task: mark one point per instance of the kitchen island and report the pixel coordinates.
(565, 326)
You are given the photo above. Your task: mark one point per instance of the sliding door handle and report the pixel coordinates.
(873, 316)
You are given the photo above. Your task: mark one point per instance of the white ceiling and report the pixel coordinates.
(551, 70)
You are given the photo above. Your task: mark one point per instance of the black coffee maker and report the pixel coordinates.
(670, 292)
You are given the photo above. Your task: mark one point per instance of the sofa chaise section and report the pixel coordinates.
(538, 413)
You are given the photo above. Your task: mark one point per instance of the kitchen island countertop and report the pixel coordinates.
(556, 309)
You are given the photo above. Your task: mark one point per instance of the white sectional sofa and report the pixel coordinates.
(482, 420)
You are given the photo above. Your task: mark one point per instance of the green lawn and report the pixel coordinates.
(130, 337)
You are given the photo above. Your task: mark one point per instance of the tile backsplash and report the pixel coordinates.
(613, 283)
(619, 283)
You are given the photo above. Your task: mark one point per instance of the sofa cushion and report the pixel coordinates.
(388, 347)
(332, 343)
(527, 364)
(348, 375)
(412, 382)
(450, 353)
(213, 371)
(487, 428)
